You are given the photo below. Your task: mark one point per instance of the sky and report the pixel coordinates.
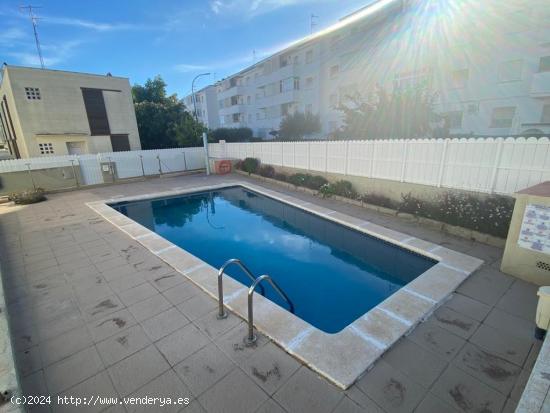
(140, 39)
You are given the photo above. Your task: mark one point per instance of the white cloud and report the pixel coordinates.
(186, 68)
(52, 54)
(252, 8)
(11, 35)
(88, 24)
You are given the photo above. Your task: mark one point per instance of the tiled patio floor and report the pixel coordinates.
(94, 313)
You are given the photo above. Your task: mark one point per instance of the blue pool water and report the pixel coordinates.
(331, 273)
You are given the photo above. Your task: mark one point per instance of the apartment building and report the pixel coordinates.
(487, 62)
(53, 112)
(206, 106)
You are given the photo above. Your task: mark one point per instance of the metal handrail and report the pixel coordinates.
(221, 310)
(251, 338)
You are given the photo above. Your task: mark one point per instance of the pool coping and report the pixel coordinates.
(342, 357)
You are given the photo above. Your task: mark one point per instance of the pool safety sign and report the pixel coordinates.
(535, 229)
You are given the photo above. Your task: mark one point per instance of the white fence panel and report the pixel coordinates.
(301, 155)
(336, 157)
(318, 156)
(288, 154)
(90, 170)
(424, 161)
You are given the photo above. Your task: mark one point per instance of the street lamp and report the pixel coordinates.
(204, 139)
(193, 93)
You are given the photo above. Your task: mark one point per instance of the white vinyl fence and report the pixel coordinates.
(128, 164)
(491, 165)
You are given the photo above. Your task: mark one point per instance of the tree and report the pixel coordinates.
(298, 125)
(231, 134)
(404, 113)
(162, 120)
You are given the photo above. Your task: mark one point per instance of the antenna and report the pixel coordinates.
(254, 56)
(34, 21)
(312, 22)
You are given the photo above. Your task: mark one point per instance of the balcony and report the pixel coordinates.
(232, 91)
(540, 85)
(229, 110)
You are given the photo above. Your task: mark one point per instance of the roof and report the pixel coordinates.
(349, 19)
(7, 66)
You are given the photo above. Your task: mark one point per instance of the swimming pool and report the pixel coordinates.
(332, 274)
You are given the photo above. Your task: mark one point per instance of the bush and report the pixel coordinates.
(267, 171)
(379, 200)
(315, 182)
(231, 134)
(279, 176)
(30, 196)
(340, 188)
(250, 165)
(490, 215)
(297, 179)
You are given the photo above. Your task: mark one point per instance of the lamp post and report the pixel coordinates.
(204, 139)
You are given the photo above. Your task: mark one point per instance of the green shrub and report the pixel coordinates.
(250, 165)
(297, 179)
(379, 200)
(231, 134)
(341, 188)
(315, 182)
(267, 171)
(279, 176)
(29, 196)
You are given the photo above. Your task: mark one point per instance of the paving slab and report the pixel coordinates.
(306, 391)
(245, 395)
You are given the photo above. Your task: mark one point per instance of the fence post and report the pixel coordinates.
(294, 154)
(346, 158)
(160, 166)
(404, 166)
(142, 168)
(30, 175)
(326, 156)
(494, 174)
(282, 154)
(442, 163)
(184, 162)
(309, 156)
(74, 173)
(372, 159)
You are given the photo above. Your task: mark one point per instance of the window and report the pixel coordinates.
(248, 100)
(545, 118)
(250, 118)
(45, 148)
(32, 93)
(309, 109)
(459, 78)
(454, 119)
(296, 83)
(473, 108)
(309, 82)
(333, 100)
(334, 70)
(544, 64)
(503, 117)
(296, 60)
(309, 56)
(510, 71)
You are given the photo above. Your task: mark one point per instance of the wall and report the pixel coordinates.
(55, 172)
(519, 261)
(500, 165)
(50, 179)
(60, 115)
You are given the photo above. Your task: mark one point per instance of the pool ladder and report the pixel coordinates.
(251, 337)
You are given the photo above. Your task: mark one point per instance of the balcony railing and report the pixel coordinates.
(540, 85)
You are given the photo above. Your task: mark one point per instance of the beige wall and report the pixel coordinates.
(60, 115)
(518, 261)
(392, 189)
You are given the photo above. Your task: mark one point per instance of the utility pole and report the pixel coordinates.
(34, 21)
(312, 22)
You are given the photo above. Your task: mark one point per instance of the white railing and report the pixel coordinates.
(128, 164)
(491, 165)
